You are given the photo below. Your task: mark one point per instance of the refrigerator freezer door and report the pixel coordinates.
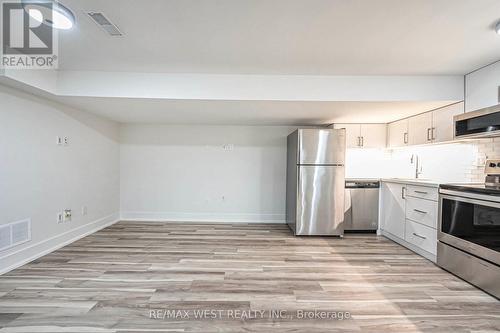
(321, 146)
(320, 201)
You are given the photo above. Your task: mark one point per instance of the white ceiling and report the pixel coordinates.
(269, 37)
(326, 37)
(137, 110)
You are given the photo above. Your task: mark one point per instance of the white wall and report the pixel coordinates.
(38, 178)
(183, 173)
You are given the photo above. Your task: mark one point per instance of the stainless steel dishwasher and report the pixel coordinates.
(361, 205)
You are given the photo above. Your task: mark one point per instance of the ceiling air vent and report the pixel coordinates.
(104, 23)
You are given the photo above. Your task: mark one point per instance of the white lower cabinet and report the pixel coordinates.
(393, 209)
(422, 211)
(421, 236)
(409, 216)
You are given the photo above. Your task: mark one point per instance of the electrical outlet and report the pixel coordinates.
(228, 147)
(66, 141)
(60, 217)
(67, 215)
(84, 210)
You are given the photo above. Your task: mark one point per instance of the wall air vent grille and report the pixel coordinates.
(5, 241)
(21, 232)
(105, 24)
(15, 233)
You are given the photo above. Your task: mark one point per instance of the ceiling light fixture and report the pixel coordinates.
(51, 13)
(497, 28)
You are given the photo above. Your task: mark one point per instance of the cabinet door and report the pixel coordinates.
(352, 134)
(393, 209)
(373, 135)
(442, 120)
(398, 133)
(420, 128)
(482, 88)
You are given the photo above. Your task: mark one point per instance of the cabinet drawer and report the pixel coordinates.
(422, 211)
(429, 193)
(421, 236)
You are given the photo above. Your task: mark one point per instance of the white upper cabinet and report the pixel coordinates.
(352, 134)
(442, 120)
(364, 135)
(420, 129)
(482, 87)
(373, 135)
(398, 133)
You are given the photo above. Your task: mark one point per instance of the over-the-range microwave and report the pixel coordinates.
(476, 124)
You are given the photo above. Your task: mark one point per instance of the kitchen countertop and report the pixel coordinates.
(413, 181)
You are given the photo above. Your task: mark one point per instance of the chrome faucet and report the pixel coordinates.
(418, 166)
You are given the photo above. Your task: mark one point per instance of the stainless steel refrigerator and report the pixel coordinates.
(316, 182)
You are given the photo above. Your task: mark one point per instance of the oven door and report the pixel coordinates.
(470, 224)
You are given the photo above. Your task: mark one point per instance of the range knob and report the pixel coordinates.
(492, 165)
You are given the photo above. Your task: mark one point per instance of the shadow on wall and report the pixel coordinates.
(105, 127)
(204, 135)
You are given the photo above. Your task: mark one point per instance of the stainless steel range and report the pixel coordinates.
(469, 230)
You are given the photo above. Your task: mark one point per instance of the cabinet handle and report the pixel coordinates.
(429, 134)
(362, 141)
(420, 211)
(433, 133)
(403, 192)
(421, 192)
(419, 236)
(405, 138)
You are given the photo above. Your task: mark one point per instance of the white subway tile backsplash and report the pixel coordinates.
(464, 161)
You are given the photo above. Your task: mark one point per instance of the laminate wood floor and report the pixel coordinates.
(118, 278)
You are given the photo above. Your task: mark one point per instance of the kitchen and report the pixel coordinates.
(241, 166)
(442, 217)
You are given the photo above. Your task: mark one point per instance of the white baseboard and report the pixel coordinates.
(202, 217)
(25, 255)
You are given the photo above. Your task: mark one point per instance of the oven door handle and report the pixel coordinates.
(472, 199)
